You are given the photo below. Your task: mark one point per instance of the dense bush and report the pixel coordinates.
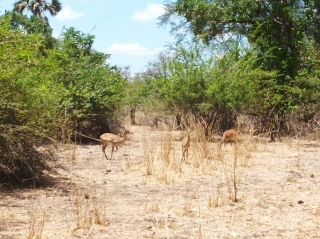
(218, 87)
(48, 91)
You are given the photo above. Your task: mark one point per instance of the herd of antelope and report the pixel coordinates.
(115, 141)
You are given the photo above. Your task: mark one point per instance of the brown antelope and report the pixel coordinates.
(185, 144)
(229, 136)
(113, 140)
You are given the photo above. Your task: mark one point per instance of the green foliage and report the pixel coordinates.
(92, 86)
(178, 82)
(32, 25)
(275, 28)
(76, 44)
(47, 92)
(195, 81)
(236, 85)
(28, 104)
(276, 74)
(24, 87)
(137, 92)
(202, 80)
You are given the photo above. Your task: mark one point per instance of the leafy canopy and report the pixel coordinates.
(276, 28)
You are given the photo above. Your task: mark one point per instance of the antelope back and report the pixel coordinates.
(230, 134)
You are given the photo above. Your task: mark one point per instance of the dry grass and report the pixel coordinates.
(90, 209)
(246, 190)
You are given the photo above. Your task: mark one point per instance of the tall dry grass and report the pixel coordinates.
(90, 209)
(36, 225)
(162, 158)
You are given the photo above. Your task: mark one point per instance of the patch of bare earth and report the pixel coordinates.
(146, 192)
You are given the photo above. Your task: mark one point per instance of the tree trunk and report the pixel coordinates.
(133, 116)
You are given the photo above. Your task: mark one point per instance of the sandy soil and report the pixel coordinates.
(146, 192)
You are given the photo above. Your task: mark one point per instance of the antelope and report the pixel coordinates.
(114, 140)
(185, 144)
(229, 136)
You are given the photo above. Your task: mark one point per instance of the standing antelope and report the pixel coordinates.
(113, 140)
(185, 144)
(229, 136)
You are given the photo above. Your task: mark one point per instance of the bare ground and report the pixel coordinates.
(146, 192)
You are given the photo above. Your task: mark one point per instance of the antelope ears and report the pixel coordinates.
(128, 131)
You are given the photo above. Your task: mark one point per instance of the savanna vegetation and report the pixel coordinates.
(231, 58)
(258, 58)
(50, 88)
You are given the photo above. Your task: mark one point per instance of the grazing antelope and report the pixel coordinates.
(229, 136)
(113, 140)
(185, 144)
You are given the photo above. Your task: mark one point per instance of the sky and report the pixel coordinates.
(126, 29)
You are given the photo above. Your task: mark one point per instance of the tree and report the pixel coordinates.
(95, 90)
(29, 104)
(32, 25)
(283, 40)
(38, 7)
(47, 93)
(276, 28)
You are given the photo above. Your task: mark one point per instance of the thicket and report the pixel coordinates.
(254, 58)
(49, 90)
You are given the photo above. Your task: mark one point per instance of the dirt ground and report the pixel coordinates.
(146, 192)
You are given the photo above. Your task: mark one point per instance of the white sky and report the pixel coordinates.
(126, 29)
